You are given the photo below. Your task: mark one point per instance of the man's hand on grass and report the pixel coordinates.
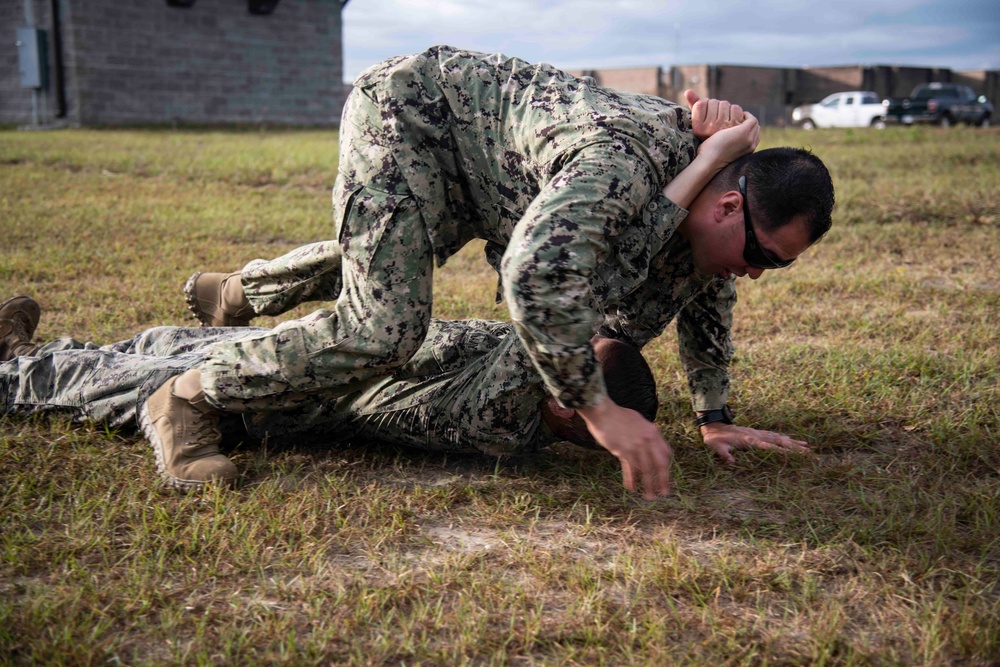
(724, 438)
(637, 443)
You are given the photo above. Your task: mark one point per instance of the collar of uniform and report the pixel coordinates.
(662, 217)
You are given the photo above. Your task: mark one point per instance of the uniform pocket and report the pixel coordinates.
(383, 236)
(272, 363)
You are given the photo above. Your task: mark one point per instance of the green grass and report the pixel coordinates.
(880, 347)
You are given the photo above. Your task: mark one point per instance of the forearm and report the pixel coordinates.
(718, 150)
(705, 345)
(686, 185)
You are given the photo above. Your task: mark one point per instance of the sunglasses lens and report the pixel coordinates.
(761, 260)
(756, 256)
(758, 259)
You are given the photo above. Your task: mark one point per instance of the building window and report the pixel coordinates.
(262, 7)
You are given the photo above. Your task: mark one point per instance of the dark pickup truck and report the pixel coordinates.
(942, 103)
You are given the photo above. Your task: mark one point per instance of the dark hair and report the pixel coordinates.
(782, 184)
(629, 381)
(627, 376)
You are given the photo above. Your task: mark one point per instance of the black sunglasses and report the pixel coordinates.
(753, 253)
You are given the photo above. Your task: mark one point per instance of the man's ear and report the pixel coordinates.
(728, 204)
(559, 411)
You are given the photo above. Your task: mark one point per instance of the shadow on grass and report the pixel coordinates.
(877, 485)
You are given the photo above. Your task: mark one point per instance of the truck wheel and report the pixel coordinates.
(984, 121)
(878, 123)
(945, 121)
(808, 124)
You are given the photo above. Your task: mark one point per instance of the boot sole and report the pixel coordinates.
(146, 424)
(192, 301)
(200, 315)
(27, 306)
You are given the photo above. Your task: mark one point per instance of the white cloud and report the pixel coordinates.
(616, 33)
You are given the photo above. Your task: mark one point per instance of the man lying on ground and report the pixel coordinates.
(471, 388)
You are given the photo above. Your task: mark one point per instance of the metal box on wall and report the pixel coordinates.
(31, 57)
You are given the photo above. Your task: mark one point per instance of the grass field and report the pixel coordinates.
(879, 346)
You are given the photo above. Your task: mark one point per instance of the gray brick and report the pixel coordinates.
(147, 62)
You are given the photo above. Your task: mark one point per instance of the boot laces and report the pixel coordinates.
(203, 436)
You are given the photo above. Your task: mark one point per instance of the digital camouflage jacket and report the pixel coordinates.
(563, 179)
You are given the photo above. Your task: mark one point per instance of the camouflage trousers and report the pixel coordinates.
(378, 267)
(104, 384)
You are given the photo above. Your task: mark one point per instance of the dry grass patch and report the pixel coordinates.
(879, 347)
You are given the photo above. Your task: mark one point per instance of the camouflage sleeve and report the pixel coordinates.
(643, 314)
(706, 347)
(550, 260)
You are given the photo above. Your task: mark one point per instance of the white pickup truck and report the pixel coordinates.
(854, 108)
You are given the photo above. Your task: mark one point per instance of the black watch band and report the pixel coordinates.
(725, 415)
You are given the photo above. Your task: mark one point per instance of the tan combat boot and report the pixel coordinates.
(183, 429)
(217, 300)
(18, 321)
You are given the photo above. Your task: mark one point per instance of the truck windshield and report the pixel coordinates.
(927, 93)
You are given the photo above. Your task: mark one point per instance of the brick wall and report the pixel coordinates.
(899, 81)
(645, 80)
(886, 80)
(983, 82)
(678, 79)
(142, 61)
(770, 93)
(146, 62)
(815, 83)
(761, 90)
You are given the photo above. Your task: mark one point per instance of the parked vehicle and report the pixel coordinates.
(854, 108)
(942, 103)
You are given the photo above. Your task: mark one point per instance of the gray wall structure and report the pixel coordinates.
(117, 62)
(121, 62)
(770, 93)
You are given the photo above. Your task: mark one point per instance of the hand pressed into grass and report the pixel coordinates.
(637, 443)
(724, 438)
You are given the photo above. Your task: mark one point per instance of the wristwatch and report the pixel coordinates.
(725, 415)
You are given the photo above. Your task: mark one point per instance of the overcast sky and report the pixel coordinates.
(585, 34)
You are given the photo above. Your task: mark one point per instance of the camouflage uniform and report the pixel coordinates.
(560, 177)
(103, 384)
(469, 388)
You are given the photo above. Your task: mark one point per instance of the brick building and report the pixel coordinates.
(109, 62)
